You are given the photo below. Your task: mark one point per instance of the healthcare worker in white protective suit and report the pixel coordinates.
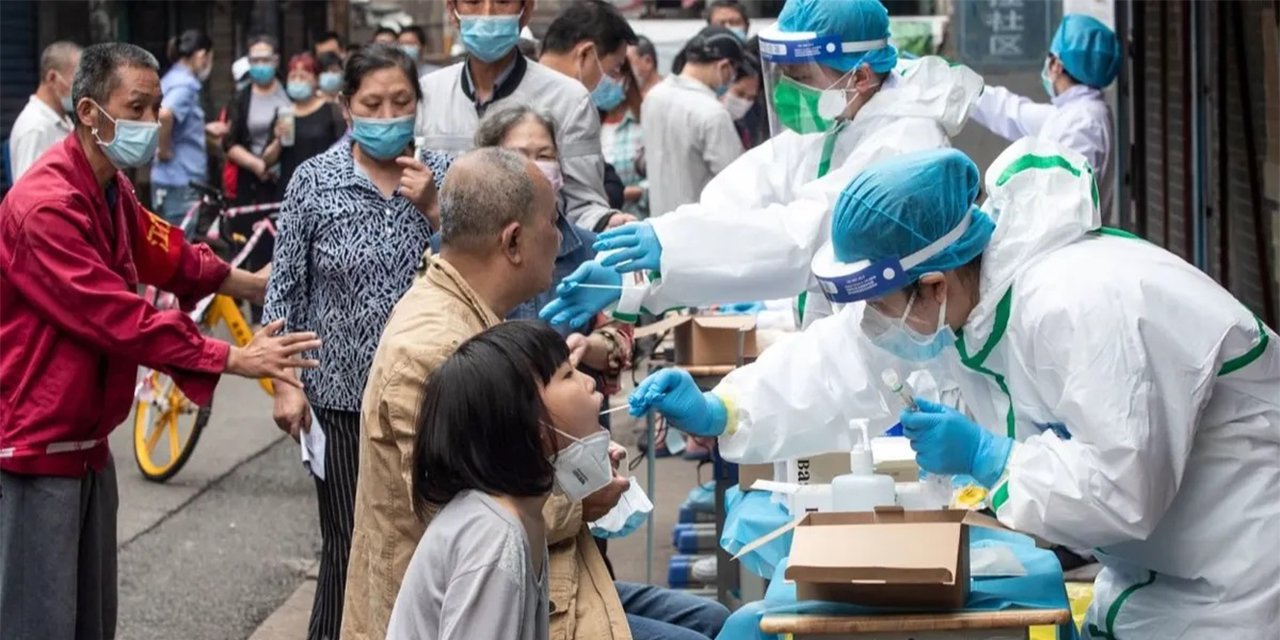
(1084, 58)
(839, 100)
(1122, 400)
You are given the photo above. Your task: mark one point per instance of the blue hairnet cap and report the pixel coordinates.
(852, 20)
(1088, 49)
(899, 206)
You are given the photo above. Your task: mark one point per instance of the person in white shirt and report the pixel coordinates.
(44, 120)
(493, 71)
(1084, 58)
(689, 135)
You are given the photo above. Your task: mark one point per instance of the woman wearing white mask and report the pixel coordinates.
(181, 155)
(689, 135)
(504, 420)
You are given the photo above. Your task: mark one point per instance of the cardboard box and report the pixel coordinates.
(819, 469)
(894, 458)
(708, 340)
(748, 474)
(889, 557)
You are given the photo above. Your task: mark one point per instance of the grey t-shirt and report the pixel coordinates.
(262, 113)
(471, 577)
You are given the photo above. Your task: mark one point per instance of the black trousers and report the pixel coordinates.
(336, 495)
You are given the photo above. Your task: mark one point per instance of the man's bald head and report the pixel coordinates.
(484, 191)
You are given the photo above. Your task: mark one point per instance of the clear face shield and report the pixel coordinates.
(805, 90)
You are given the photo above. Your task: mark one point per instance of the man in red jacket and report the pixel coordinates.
(74, 246)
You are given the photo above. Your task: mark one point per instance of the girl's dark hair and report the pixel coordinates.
(480, 425)
(187, 44)
(375, 57)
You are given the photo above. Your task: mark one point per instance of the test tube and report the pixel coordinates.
(899, 388)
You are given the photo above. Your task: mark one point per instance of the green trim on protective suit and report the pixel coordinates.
(977, 361)
(1230, 366)
(824, 167)
(1000, 494)
(1113, 611)
(1032, 161)
(1235, 364)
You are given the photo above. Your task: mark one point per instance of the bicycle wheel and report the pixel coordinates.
(166, 427)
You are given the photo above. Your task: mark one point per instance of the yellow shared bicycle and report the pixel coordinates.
(167, 425)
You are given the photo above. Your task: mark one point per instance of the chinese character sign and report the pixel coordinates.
(1004, 34)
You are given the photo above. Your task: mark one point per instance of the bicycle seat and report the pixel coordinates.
(207, 189)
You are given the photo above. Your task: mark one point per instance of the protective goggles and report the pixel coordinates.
(843, 282)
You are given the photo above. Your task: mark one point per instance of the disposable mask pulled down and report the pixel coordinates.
(583, 467)
(134, 144)
(632, 510)
(382, 138)
(489, 37)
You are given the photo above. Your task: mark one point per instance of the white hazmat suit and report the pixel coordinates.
(1144, 398)
(759, 222)
(1079, 119)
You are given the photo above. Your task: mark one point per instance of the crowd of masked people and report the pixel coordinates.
(421, 207)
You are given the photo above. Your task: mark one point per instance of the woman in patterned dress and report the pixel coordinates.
(353, 229)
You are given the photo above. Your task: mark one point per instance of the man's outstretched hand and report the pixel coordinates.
(275, 356)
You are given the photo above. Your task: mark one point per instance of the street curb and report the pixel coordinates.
(290, 620)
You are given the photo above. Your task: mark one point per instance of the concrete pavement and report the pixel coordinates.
(211, 553)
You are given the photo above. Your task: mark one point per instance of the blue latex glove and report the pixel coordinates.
(640, 249)
(674, 394)
(945, 441)
(575, 305)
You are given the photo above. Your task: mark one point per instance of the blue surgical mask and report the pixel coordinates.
(67, 104)
(382, 138)
(262, 73)
(134, 144)
(331, 82)
(489, 37)
(1044, 80)
(741, 32)
(898, 338)
(299, 91)
(411, 50)
(608, 93)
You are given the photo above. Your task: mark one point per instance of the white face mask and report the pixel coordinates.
(583, 467)
(737, 105)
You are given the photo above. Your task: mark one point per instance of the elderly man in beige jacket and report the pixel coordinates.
(499, 243)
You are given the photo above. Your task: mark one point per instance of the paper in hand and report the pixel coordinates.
(313, 447)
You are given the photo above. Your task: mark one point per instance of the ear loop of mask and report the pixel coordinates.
(912, 334)
(833, 102)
